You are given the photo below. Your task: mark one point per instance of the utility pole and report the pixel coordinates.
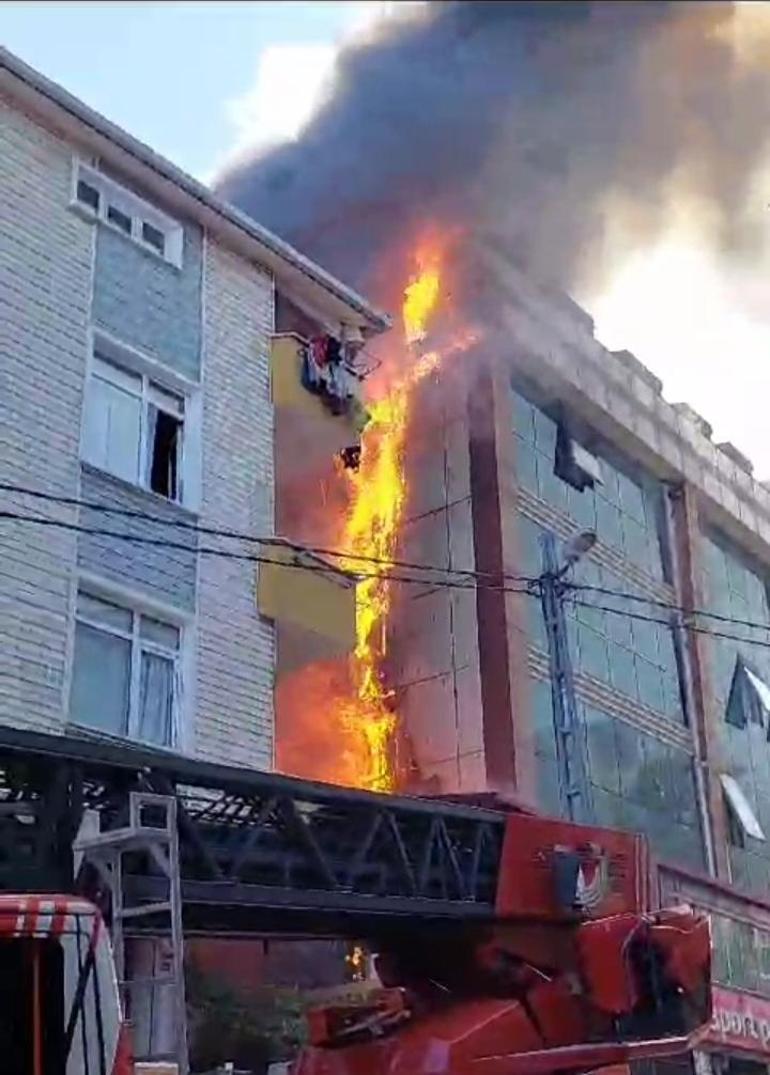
(569, 731)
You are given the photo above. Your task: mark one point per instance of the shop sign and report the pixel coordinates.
(740, 1020)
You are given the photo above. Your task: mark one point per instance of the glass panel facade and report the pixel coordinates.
(624, 509)
(733, 587)
(635, 657)
(741, 955)
(638, 782)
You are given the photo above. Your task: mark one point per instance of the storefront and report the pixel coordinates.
(739, 1040)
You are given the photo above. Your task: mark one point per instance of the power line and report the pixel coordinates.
(709, 631)
(235, 535)
(530, 587)
(228, 554)
(626, 596)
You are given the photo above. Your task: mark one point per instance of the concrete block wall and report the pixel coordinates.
(46, 256)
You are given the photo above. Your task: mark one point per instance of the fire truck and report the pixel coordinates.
(506, 943)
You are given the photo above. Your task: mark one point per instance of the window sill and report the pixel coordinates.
(153, 499)
(81, 731)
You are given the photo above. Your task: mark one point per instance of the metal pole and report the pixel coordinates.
(569, 733)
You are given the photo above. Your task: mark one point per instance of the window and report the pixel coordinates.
(743, 821)
(154, 237)
(104, 199)
(749, 699)
(126, 672)
(134, 428)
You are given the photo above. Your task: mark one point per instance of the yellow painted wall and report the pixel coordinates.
(320, 600)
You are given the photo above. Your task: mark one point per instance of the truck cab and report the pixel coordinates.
(60, 1011)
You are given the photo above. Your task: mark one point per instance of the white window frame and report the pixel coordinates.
(108, 359)
(140, 212)
(139, 645)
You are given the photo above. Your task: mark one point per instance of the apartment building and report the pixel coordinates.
(559, 436)
(137, 430)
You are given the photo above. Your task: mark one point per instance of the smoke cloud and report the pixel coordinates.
(560, 130)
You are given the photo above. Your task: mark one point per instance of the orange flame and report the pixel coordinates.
(371, 532)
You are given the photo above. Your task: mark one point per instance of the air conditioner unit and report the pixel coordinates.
(574, 464)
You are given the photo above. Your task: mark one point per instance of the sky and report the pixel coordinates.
(200, 82)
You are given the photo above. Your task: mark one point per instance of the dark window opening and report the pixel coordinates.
(573, 463)
(31, 1002)
(154, 237)
(119, 219)
(88, 195)
(165, 450)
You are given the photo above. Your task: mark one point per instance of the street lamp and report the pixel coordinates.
(569, 733)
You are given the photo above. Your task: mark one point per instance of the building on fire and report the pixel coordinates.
(173, 374)
(139, 318)
(668, 624)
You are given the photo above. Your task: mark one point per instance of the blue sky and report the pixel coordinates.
(200, 82)
(189, 79)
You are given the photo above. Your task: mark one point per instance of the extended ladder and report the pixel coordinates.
(160, 842)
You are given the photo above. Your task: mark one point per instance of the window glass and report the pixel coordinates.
(638, 782)
(105, 612)
(120, 219)
(112, 428)
(623, 508)
(162, 634)
(100, 680)
(734, 586)
(88, 195)
(154, 237)
(156, 699)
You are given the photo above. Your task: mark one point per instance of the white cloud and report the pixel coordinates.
(291, 80)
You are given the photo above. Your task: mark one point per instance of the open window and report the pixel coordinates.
(749, 698)
(573, 463)
(742, 819)
(134, 428)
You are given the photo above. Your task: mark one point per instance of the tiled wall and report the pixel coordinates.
(626, 668)
(148, 303)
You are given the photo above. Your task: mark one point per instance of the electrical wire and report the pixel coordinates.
(709, 631)
(669, 606)
(235, 535)
(229, 554)
(531, 584)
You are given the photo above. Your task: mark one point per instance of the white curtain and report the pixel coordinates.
(156, 700)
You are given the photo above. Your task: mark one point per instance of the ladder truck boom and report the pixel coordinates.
(576, 973)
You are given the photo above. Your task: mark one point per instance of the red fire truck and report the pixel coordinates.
(575, 973)
(60, 1012)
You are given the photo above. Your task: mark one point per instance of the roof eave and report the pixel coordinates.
(290, 268)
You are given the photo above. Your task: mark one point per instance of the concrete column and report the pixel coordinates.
(502, 616)
(706, 717)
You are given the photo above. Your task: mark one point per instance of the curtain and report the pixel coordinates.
(156, 700)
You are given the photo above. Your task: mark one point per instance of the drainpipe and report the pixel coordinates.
(673, 493)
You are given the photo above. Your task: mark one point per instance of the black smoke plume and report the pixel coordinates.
(527, 122)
